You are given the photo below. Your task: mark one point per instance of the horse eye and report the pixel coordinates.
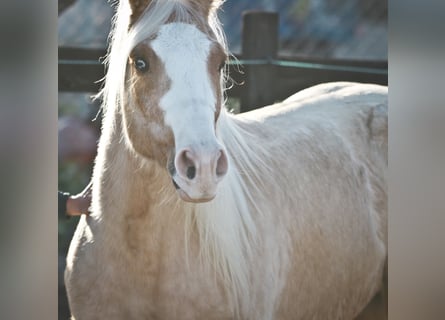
(221, 66)
(140, 64)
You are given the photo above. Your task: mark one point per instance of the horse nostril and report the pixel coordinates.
(191, 172)
(185, 164)
(193, 165)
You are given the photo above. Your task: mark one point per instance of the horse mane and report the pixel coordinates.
(225, 226)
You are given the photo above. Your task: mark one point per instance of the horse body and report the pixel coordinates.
(296, 229)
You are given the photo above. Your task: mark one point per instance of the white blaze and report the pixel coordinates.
(189, 104)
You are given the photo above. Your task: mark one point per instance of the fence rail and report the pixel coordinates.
(263, 75)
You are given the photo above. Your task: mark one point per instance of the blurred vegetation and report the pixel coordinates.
(72, 176)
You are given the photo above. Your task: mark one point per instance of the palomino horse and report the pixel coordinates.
(278, 213)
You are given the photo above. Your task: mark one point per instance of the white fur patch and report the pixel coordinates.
(191, 100)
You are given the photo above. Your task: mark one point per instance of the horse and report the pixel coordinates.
(197, 213)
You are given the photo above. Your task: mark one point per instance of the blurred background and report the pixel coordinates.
(334, 29)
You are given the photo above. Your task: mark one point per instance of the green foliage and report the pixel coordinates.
(72, 177)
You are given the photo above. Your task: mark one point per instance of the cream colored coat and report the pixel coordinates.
(317, 200)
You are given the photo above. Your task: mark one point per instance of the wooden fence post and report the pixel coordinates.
(259, 42)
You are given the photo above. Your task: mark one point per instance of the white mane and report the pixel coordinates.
(226, 226)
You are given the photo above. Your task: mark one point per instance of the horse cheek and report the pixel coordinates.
(144, 125)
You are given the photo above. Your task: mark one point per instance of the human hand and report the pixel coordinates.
(80, 203)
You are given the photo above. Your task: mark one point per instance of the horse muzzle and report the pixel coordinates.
(196, 172)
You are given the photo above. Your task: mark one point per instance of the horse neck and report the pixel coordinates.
(124, 183)
(135, 200)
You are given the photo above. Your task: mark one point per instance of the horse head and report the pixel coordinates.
(173, 93)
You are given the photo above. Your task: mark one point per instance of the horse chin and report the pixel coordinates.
(185, 197)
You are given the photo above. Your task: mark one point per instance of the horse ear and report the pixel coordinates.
(137, 8)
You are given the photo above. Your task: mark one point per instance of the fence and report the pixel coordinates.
(264, 77)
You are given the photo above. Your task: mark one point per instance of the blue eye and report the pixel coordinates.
(140, 64)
